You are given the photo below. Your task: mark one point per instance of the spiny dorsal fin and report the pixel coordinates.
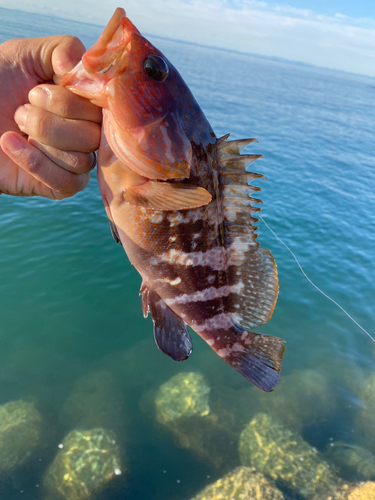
(239, 177)
(239, 163)
(222, 139)
(254, 267)
(228, 148)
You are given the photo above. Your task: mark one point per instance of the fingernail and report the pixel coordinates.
(20, 117)
(14, 144)
(38, 97)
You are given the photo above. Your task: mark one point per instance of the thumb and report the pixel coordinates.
(56, 55)
(67, 54)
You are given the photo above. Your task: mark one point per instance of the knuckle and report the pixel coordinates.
(32, 159)
(38, 123)
(78, 162)
(75, 184)
(72, 41)
(62, 102)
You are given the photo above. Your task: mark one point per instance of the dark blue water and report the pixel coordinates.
(69, 305)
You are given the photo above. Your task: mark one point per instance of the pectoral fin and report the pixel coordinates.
(170, 331)
(167, 196)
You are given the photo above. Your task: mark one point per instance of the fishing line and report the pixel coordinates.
(313, 284)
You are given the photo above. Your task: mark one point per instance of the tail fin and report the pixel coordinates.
(257, 357)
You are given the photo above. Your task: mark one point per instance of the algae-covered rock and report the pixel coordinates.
(350, 491)
(86, 462)
(20, 430)
(302, 399)
(243, 483)
(364, 491)
(182, 406)
(365, 420)
(283, 455)
(184, 395)
(353, 461)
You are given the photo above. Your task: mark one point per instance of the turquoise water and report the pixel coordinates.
(69, 305)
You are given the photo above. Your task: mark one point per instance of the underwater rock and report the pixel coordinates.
(302, 399)
(365, 419)
(243, 483)
(95, 401)
(182, 406)
(20, 430)
(353, 461)
(365, 491)
(349, 491)
(283, 455)
(184, 395)
(85, 464)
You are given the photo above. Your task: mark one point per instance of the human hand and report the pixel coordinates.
(48, 134)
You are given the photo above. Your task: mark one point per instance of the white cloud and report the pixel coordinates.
(337, 42)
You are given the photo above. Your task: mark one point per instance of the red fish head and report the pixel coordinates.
(152, 115)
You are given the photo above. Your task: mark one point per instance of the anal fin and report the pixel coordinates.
(170, 331)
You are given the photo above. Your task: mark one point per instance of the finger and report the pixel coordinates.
(67, 54)
(73, 161)
(61, 182)
(58, 132)
(62, 102)
(53, 55)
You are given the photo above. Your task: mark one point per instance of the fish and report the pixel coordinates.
(180, 202)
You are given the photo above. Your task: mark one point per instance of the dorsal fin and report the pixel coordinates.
(254, 267)
(238, 163)
(228, 148)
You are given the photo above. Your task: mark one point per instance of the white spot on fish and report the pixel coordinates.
(174, 282)
(210, 342)
(114, 177)
(222, 320)
(223, 353)
(206, 294)
(218, 258)
(156, 217)
(237, 347)
(207, 213)
(228, 350)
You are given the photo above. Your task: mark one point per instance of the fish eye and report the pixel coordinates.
(156, 68)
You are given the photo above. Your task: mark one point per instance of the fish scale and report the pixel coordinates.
(180, 202)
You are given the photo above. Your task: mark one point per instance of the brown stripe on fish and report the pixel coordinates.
(191, 236)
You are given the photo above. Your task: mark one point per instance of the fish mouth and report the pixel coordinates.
(112, 48)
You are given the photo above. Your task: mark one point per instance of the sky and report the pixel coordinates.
(337, 34)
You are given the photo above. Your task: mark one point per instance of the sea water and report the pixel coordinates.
(69, 304)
